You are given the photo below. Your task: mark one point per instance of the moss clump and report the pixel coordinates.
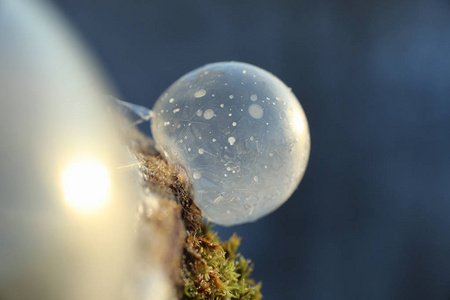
(214, 270)
(210, 269)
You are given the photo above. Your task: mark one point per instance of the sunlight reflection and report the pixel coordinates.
(86, 185)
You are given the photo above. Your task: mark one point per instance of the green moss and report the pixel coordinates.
(215, 270)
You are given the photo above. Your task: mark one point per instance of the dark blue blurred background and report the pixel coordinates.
(370, 219)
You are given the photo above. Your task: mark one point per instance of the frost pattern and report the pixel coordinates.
(240, 134)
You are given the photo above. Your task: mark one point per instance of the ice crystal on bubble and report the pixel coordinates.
(241, 136)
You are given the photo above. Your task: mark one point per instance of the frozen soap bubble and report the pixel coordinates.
(241, 136)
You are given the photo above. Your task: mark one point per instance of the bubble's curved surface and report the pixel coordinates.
(240, 134)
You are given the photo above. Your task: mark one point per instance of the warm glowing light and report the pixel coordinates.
(298, 123)
(86, 185)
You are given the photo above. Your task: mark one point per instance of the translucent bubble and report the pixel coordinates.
(248, 139)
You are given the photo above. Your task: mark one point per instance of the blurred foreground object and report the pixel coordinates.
(66, 218)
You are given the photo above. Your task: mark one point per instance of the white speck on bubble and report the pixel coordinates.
(201, 151)
(234, 124)
(256, 111)
(231, 96)
(208, 114)
(197, 175)
(214, 140)
(221, 105)
(200, 93)
(231, 140)
(244, 71)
